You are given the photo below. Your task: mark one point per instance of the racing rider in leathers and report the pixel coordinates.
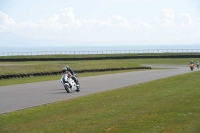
(66, 68)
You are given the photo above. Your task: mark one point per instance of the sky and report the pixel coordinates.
(99, 22)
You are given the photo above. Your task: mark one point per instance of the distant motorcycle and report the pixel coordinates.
(192, 67)
(69, 84)
(198, 65)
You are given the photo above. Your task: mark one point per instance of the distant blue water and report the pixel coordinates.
(96, 48)
(6, 51)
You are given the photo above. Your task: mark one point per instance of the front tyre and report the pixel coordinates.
(68, 89)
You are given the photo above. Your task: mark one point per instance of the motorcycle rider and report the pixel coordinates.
(73, 76)
(64, 71)
(197, 64)
(191, 62)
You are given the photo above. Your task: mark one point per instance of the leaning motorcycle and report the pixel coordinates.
(191, 67)
(198, 66)
(69, 84)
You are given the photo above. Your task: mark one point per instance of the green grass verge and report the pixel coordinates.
(14, 81)
(48, 66)
(170, 105)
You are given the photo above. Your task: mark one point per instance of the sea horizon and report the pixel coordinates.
(5, 49)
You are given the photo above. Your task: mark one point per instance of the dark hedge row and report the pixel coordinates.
(99, 58)
(59, 72)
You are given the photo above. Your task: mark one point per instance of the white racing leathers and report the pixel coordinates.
(69, 84)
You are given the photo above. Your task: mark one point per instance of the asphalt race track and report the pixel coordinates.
(16, 97)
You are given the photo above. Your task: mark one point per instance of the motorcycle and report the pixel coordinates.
(198, 65)
(191, 67)
(69, 84)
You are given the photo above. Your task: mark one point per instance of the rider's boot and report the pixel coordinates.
(77, 84)
(76, 81)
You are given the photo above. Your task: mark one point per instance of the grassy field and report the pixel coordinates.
(53, 77)
(48, 66)
(170, 105)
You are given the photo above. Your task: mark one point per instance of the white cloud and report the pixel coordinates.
(117, 20)
(6, 23)
(184, 19)
(67, 15)
(5, 19)
(165, 20)
(167, 27)
(167, 14)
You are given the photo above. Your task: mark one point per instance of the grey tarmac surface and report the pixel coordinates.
(17, 97)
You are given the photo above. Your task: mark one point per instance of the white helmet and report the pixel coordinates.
(67, 67)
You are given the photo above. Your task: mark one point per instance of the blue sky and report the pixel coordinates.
(99, 22)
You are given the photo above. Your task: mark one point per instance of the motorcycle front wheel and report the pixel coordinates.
(68, 89)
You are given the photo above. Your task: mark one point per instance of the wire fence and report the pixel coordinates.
(101, 52)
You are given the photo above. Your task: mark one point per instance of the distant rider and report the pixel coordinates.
(197, 64)
(191, 62)
(73, 76)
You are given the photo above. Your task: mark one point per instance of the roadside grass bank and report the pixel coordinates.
(48, 66)
(11, 76)
(165, 105)
(14, 81)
